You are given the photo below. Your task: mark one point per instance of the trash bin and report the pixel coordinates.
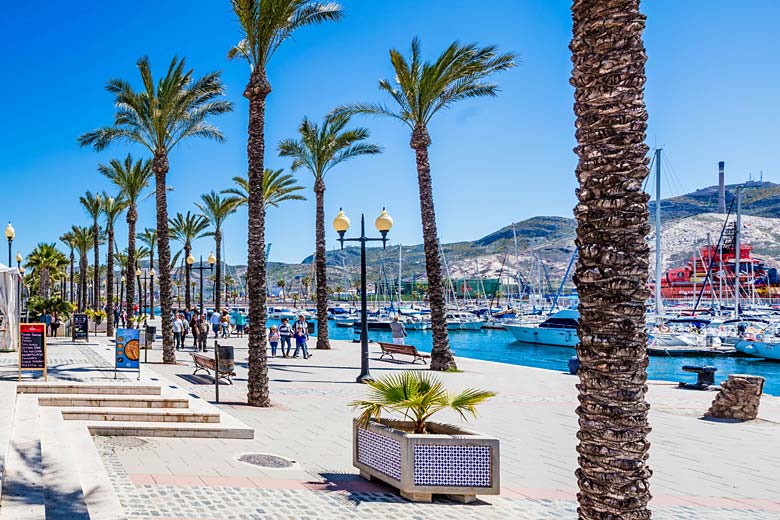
(226, 358)
(151, 334)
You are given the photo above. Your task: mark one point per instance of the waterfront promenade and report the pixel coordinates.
(702, 469)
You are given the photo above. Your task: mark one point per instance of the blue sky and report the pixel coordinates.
(711, 94)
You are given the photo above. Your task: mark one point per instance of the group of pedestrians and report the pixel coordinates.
(199, 325)
(285, 333)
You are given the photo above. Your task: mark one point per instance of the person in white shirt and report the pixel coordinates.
(214, 320)
(178, 328)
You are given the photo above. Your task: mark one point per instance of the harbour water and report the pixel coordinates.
(500, 346)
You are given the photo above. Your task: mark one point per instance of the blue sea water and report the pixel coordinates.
(500, 346)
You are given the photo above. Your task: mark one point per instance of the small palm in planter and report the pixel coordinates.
(418, 456)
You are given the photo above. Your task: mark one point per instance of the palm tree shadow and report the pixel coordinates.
(58, 505)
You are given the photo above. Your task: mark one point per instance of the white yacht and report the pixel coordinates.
(559, 330)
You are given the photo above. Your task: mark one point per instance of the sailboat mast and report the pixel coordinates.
(658, 275)
(738, 248)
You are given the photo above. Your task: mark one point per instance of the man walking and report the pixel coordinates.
(215, 319)
(203, 333)
(178, 328)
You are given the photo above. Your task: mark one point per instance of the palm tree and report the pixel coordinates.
(612, 267)
(318, 150)
(94, 207)
(159, 118)
(185, 229)
(67, 239)
(277, 188)
(280, 284)
(305, 284)
(416, 396)
(265, 25)
(132, 178)
(217, 209)
(112, 208)
(149, 237)
(47, 265)
(421, 90)
(83, 239)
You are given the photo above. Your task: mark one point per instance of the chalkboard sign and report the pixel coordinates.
(32, 347)
(80, 327)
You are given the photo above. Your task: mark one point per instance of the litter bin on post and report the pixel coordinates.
(150, 334)
(226, 358)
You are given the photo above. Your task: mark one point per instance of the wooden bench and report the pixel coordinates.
(388, 349)
(208, 364)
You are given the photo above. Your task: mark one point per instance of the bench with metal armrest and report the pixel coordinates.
(388, 349)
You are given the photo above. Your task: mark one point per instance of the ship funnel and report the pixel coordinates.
(721, 187)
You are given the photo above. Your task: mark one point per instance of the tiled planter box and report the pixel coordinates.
(448, 461)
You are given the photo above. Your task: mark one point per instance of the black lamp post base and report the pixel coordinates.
(364, 378)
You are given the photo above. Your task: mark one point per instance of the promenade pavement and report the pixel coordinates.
(702, 468)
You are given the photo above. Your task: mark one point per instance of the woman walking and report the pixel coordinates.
(285, 333)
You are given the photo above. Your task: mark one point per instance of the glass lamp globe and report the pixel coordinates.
(151, 273)
(9, 232)
(341, 222)
(138, 272)
(384, 222)
(211, 259)
(190, 259)
(18, 257)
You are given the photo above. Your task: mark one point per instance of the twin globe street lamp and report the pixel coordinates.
(190, 261)
(383, 224)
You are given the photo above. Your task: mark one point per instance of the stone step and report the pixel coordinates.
(87, 388)
(23, 488)
(168, 415)
(170, 429)
(106, 401)
(63, 493)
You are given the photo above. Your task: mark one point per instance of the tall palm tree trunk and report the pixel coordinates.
(151, 282)
(132, 218)
(187, 251)
(96, 275)
(160, 168)
(83, 281)
(72, 265)
(257, 385)
(612, 269)
(320, 270)
(110, 281)
(441, 355)
(218, 280)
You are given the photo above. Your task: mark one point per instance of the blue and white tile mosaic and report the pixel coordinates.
(455, 466)
(379, 452)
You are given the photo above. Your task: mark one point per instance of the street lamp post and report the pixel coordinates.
(383, 224)
(200, 269)
(9, 234)
(138, 277)
(122, 291)
(145, 278)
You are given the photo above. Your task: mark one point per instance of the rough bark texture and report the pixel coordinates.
(96, 274)
(738, 398)
(187, 251)
(441, 355)
(83, 266)
(72, 264)
(218, 279)
(132, 218)
(110, 281)
(256, 92)
(44, 285)
(612, 269)
(151, 283)
(160, 168)
(320, 271)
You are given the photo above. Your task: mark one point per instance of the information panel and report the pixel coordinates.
(127, 349)
(80, 327)
(32, 347)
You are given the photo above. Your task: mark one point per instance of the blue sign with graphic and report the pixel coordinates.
(127, 348)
